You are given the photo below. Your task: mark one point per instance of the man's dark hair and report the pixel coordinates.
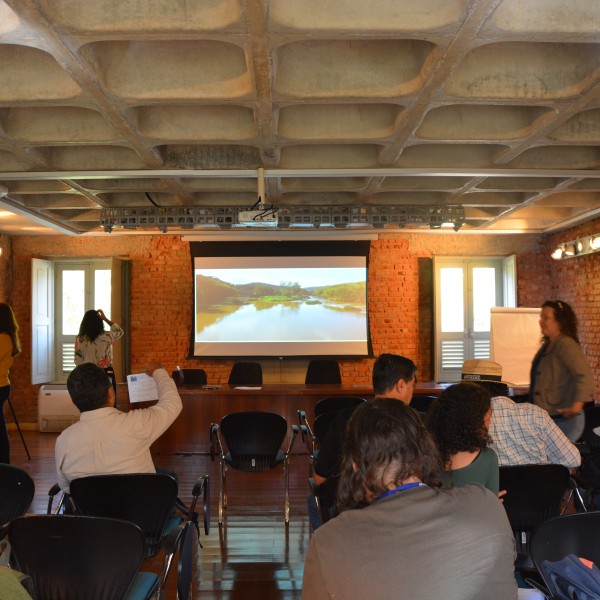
(88, 386)
(389, 369)
(386, 440)
(456, 419)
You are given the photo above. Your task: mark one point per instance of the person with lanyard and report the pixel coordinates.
(561, 379)
(93, 343)
(393, 376)
(10, 346)
(399, 535)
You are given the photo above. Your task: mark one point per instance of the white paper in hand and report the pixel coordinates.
(142, 388)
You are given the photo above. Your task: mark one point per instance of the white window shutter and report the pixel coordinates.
(42, 321)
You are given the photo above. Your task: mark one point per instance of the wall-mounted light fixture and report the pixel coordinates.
(579, 247)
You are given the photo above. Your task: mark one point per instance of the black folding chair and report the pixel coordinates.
(16, 492)
(253, 442)
(534, 493)
(246, 373)
(325, 371)
(81, 557)
(148, 500)
(325, 411)
(568, 534)
(422, 403)
(189, 377)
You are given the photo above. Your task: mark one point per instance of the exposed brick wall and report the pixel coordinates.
(400, 295)
(5, 268)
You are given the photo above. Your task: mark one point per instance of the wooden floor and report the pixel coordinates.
(253, 556)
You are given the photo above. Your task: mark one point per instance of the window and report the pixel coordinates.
(62, 291)
(78, 287)
(465, 291)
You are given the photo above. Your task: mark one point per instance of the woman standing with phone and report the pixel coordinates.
(10, 346)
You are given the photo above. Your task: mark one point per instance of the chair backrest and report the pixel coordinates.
(321, 424)
(592, 420)
(534, 493)
(422, 403)
(77, 557)
(16, 492)
(323, 371)
(246, 373)
(254, 439)
(335, 403)
(146, 499)
(189, 377)
(569, 534)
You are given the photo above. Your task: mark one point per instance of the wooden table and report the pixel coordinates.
(189, 434)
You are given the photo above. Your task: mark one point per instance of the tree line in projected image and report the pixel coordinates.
(226, 311)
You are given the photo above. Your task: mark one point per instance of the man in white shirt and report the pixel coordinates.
(106, 440)
(521, 433)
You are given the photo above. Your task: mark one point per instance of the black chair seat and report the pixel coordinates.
(251, 463)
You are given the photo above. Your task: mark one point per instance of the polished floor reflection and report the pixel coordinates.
(252, 556)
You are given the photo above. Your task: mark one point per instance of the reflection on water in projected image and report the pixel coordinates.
(283, 322)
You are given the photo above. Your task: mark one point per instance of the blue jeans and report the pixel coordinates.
(572, 428)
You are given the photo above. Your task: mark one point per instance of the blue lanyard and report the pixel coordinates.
(406, 486)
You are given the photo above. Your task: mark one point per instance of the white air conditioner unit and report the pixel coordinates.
(56, 410)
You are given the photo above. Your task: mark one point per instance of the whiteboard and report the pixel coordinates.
(515, 337)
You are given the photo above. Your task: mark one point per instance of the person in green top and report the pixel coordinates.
(459, 420)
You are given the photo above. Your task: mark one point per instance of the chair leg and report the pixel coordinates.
(287, 490)
(222, 493)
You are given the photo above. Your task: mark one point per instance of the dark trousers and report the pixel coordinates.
(4, 440)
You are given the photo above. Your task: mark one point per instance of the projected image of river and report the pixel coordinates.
(283, 321)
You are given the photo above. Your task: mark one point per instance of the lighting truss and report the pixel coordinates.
(226, 217)
(579, 247)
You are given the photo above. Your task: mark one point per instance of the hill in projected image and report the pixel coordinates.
(296, 308)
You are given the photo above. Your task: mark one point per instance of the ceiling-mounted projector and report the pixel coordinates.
(258, 218)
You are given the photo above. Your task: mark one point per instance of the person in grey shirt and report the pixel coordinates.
(399, 535)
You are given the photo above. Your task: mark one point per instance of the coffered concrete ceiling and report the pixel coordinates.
(489, 105)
